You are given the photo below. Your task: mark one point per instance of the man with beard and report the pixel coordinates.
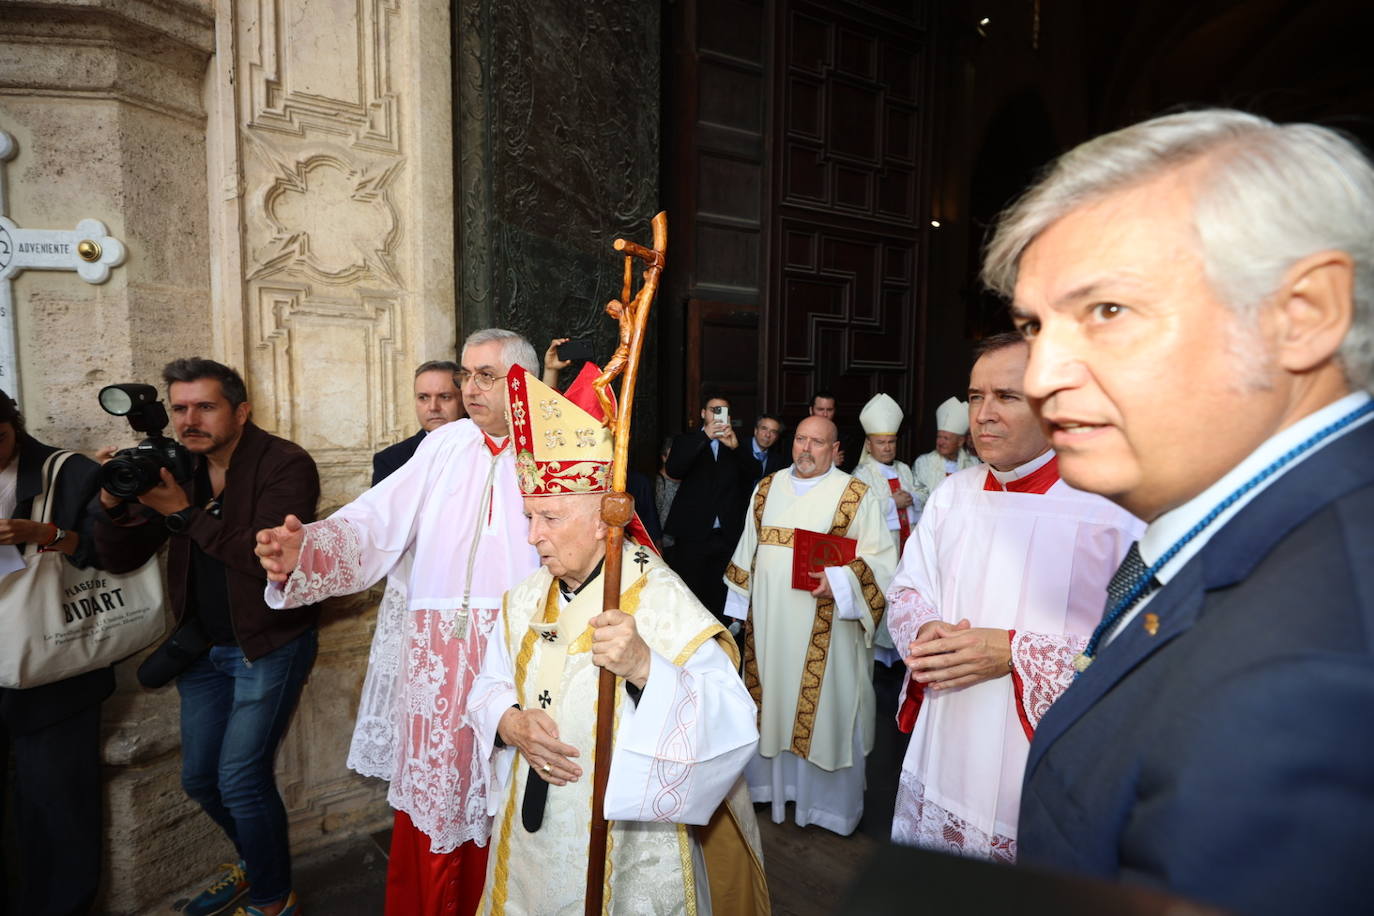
(237, 697)
(808, 656)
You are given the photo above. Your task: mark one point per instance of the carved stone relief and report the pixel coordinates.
(329, 217)
(336, 297)
(328, 298)
(323, 65)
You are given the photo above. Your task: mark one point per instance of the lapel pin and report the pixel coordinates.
(1151, 623)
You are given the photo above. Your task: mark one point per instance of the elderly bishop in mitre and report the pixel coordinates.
(685, 725)
(808, 577)
(950, 455)
(891, 480)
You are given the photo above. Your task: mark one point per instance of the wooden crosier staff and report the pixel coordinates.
(617, 508)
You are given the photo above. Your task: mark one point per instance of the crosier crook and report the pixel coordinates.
(617, 508)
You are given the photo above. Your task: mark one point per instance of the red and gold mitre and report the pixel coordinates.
(559, 447)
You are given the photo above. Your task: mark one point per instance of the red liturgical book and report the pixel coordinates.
(813, 551)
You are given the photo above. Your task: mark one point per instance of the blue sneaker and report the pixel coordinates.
(292, 908)
(221, 895)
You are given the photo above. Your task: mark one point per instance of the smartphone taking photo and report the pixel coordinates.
(720, 414)
(577, 351)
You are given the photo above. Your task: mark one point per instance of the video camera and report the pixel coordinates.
(134, 471)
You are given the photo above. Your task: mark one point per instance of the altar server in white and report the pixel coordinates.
(450, 526)
(685, 725)
(951, 431)
(997, 591)
(808, 655)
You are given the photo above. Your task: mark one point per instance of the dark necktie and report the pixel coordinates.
(1131, 571)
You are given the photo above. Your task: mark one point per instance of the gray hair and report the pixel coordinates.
(1269, 195)
(515, 350)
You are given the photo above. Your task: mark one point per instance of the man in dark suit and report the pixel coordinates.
(437, 401)
(1206, 277)
(762, 456)
(707, 513)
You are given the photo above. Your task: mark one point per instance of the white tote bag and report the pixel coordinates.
(58, 621)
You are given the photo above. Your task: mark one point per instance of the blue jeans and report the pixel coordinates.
(233, 715)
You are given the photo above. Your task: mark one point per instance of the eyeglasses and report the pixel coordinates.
(485, 380)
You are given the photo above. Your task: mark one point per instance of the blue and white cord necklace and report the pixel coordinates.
(1082, 660)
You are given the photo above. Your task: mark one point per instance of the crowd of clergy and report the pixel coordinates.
(1126, 656)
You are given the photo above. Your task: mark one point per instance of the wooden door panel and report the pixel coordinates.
(844, 309)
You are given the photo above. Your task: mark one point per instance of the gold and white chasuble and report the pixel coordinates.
(928, 471)
(808, 663)
(876, 475)
(678, 757)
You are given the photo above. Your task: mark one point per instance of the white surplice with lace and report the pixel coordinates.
(1035, 563)
(454, 507)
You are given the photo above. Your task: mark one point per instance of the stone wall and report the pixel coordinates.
(281, 174)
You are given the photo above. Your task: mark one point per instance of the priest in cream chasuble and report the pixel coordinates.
(894, 486)
(809, 654)
(950, 455)
(683, 838)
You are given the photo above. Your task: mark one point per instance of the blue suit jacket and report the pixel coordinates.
(389, 460)
(1229, 757)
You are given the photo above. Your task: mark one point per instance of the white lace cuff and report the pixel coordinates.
(1042, 669)
(330, 565)
(908, 611)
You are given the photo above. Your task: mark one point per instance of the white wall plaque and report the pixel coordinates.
(88, 249)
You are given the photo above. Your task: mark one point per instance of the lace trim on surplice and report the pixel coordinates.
(330, 564)
(918, 822)
(421, 666)
(908, 611)
(1042, 669)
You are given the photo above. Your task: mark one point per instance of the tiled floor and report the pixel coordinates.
(808, 867)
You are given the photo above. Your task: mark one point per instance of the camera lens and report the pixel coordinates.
(126, 476)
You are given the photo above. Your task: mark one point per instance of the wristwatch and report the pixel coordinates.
(58, 537)
(178, 522)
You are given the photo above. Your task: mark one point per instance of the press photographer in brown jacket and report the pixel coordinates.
(238, 694)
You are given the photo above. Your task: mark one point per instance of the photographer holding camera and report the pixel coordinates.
(708, 511)
(244, 664)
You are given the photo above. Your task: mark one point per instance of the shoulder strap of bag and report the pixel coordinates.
(43, 502)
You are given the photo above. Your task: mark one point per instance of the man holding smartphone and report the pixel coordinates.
(707, 514)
